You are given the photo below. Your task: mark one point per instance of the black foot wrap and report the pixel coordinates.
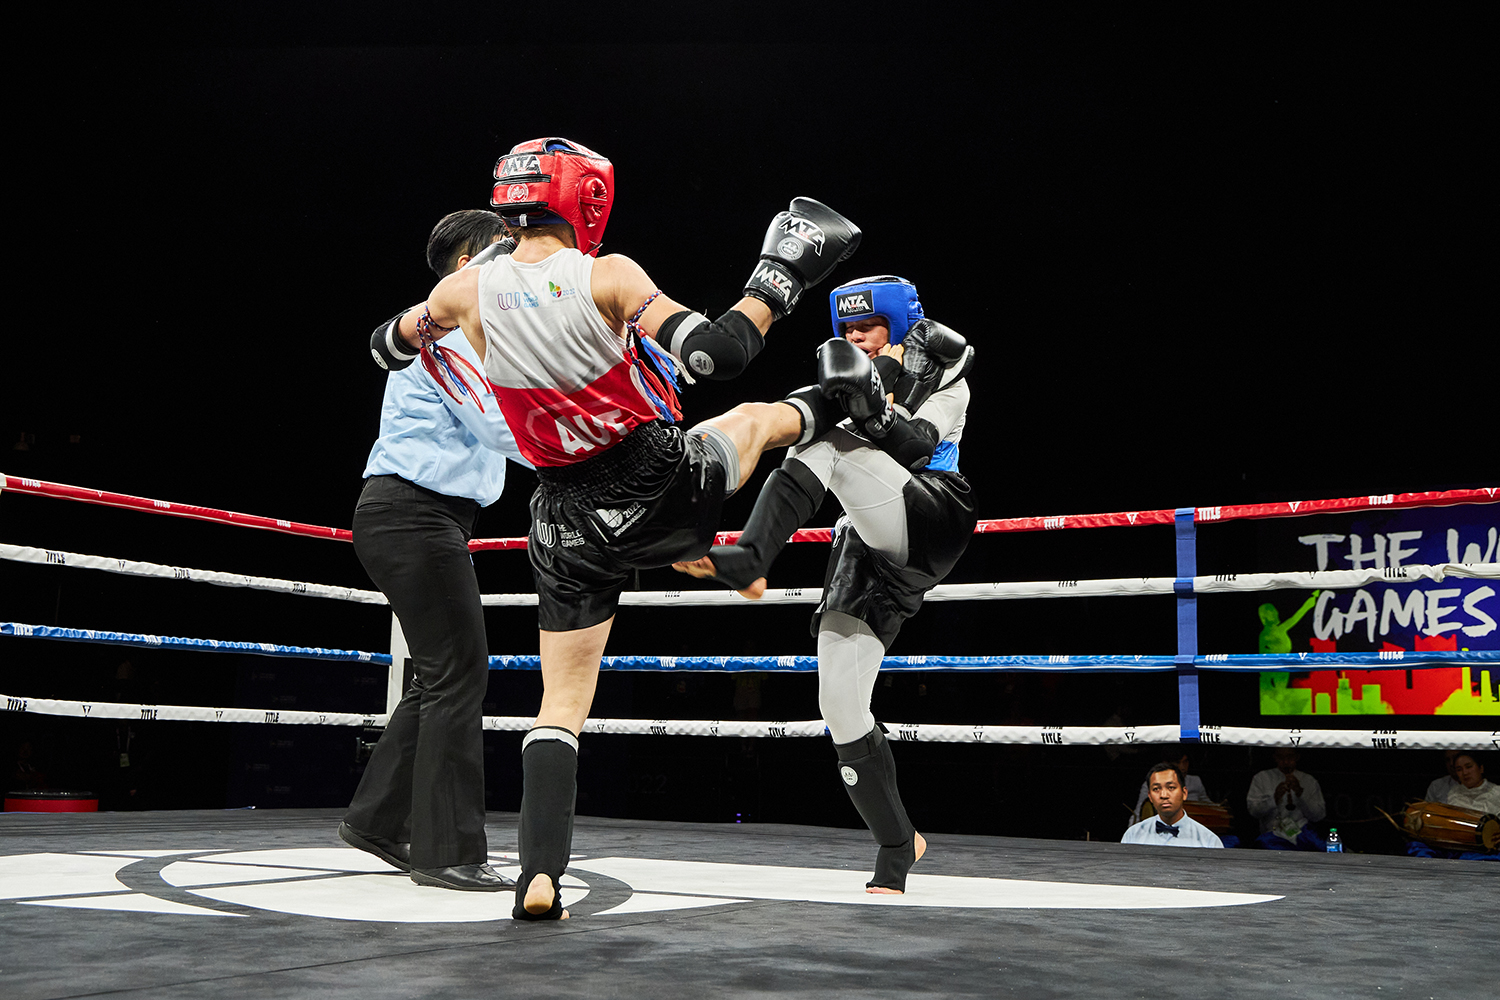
(519, 911)
(549, 768)
(873, 791)
(791, 496)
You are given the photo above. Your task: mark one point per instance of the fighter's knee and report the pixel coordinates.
(753, 412)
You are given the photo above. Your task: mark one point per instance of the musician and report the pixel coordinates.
(1171, 826)
(1472, 790)
(1287, 801)
(1438, 790)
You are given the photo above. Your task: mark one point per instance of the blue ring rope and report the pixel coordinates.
(1288, 662)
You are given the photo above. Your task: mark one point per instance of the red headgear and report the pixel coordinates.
(547, 181)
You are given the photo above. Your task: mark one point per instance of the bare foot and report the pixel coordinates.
(700, 568)
(880, 890)
(703, 569)
(539, 896)
(755, 591)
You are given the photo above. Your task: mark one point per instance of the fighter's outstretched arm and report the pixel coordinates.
(724, 347)
(801, 247)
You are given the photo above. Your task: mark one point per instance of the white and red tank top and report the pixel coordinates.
(561, 374)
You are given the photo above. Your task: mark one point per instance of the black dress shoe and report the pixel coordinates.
(392, 853)
(474, 878)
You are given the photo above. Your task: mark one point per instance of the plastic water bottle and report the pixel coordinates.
(1335, 846)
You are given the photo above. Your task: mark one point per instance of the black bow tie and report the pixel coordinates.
(1164, 828)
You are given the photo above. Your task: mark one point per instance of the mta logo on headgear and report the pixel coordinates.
(852, 304)
(526, 163)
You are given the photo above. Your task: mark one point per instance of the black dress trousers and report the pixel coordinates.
(425, 779)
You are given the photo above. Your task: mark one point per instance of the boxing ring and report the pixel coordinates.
(1187, 662)
(685, 909)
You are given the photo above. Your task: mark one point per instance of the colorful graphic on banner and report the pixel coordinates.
(1457, 613)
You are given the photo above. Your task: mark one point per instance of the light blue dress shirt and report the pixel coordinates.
(445, 434)
(1190, 833)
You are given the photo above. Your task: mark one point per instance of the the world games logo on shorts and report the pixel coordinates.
(852, 304)
(808, 232)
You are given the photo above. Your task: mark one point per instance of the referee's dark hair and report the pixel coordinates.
(1165, 766)
(458, 234)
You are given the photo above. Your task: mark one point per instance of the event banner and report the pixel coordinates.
(1455, 613)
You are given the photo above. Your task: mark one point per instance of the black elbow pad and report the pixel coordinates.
(718, 350)
(389, 350)
(910, 442)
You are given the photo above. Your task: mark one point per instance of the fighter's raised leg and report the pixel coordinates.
(752, 429)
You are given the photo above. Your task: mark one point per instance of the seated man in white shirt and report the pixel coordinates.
(1470, 790)
(1287, 802)
(1171, 826)
(1440, 787)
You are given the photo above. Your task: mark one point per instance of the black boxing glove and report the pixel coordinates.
(846, 374)
(801, 248)
(929, 348)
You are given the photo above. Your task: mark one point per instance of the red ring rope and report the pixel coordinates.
(1281, 508)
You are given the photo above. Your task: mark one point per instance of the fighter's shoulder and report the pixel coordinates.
(616, 271)
(617, 267)
(619, 285)
(461, 283)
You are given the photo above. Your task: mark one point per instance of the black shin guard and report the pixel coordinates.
(869, 773)
(819, 414)
(549, 768)
(791, 496)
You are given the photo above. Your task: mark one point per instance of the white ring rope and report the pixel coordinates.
(1385, 739)
(130, 567)
(1122, 587)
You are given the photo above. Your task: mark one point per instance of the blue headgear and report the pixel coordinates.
(887, 296)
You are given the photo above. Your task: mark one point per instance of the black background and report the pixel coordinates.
(1207, 258)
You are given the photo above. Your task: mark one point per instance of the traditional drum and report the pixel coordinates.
(1453, 827)
(1211, 814)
